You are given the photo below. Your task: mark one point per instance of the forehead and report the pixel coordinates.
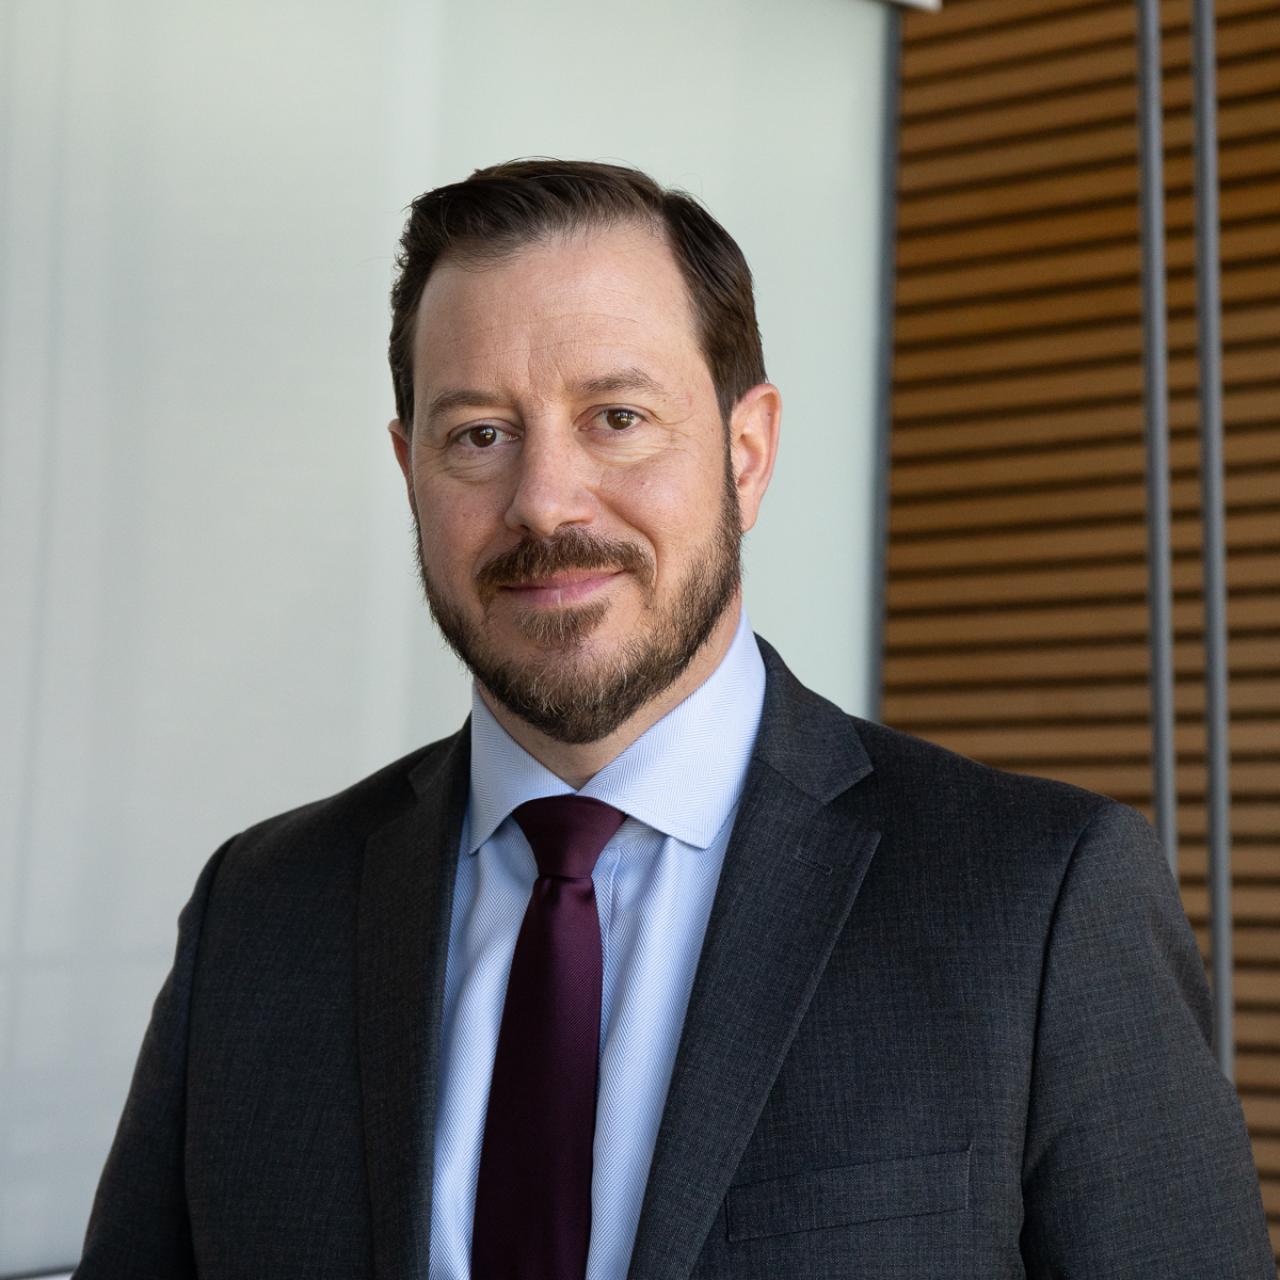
(564, 308)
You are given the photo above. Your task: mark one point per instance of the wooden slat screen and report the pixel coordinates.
(1016, 627)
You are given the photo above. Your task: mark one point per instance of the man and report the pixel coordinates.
(663, 966)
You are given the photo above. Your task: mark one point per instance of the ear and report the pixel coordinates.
(753, 446)
(402, 445)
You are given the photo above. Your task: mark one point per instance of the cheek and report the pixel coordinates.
(675, 509)
(453, 535)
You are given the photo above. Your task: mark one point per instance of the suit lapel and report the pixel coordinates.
(791, 872)
(406, 895)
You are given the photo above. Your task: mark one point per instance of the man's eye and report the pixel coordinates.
(480, 437)
(621, 419)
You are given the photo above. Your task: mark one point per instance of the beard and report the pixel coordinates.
(565, 692)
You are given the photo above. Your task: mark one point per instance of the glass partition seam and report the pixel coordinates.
(884, 361)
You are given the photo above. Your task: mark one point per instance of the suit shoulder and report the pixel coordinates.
(347, 816)
(913, 772)
(917, 788)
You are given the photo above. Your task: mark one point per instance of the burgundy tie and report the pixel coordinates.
(533, 1196)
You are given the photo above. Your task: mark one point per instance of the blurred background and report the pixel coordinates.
(210, 604)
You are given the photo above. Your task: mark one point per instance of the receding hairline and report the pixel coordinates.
(475, 253)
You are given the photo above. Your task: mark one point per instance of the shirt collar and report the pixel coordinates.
(683, 776)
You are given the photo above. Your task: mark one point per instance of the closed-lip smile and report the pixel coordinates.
(566, 587)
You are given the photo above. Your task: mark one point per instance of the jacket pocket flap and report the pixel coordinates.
(898, 1188)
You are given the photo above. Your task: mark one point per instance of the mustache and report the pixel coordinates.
(574, 548)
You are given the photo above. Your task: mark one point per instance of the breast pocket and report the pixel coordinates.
(900, 1188)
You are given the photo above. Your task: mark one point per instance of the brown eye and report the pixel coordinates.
(621, 419)
(481, 437)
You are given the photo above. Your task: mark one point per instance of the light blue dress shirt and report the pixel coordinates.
(679, 784)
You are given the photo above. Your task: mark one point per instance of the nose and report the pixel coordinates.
(552, 483)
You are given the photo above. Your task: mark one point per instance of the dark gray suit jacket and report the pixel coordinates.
(947, 1022)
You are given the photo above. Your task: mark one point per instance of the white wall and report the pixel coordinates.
(210, 607)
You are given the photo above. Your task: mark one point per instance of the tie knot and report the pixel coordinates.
(566, 833)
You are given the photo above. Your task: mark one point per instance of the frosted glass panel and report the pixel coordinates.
(210, 605)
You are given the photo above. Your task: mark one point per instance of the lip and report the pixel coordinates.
(561, 588)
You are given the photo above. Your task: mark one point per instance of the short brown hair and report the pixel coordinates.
(498, 210)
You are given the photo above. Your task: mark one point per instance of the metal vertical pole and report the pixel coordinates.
(1156, 388)
(1209, 326)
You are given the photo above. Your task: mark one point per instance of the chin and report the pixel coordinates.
(570, 629)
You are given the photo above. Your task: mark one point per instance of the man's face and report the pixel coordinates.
(572, 484)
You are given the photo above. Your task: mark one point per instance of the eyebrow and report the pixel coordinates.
(605, 384)
(632, 379)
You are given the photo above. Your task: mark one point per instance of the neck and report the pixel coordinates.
(578, 762)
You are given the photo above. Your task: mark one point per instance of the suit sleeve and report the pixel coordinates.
(139, 1227)
(1136, 1162)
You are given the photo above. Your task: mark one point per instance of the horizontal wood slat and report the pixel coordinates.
(1100, 383)
(1243, 121)
(1055, 662)
(944, 516)
(1077, 27)
(1122, 539)
(1266, 1152)
(1070, 29)
(1026, 433)
(1015, 746)
(1261, 1110)
(1239, 162)
(1011, 588)
(1251, 864)
(1248, 323)
(1256, 904)
(1059, 71)
(1256, 984)
(994, 16)
(1097, 103)
(988, 16)
(1259, 612)
(1042, 703)
(1100, 224)
(1259, 240)
(916, 480)
(955, 318)
(1252, 944)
